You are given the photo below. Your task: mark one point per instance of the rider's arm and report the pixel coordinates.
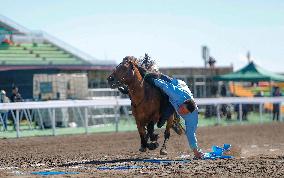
(191, 121)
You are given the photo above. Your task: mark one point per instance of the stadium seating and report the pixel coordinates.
(36, 54)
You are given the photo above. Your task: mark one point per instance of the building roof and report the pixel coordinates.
(251, 73)
(12, 26)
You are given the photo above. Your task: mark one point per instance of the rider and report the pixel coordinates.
(182, 100)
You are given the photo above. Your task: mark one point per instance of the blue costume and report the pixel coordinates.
(178, 93)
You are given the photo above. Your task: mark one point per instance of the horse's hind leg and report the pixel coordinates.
(153, 137)
(167, 135)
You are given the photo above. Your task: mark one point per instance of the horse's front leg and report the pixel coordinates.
(153, 137)
(167, 135)
(143, 137)
(150, 132)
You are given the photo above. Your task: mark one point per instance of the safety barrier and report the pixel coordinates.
(116, 102)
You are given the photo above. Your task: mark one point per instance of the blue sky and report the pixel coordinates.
(171, 31)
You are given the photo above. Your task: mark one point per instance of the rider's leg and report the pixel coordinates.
(168, 110)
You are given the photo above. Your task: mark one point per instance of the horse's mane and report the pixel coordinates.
(145, 64)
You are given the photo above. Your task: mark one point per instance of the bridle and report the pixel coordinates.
(120, 83)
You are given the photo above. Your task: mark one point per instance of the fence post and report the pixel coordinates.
(86, 119)
(116, 107)
(218, 114)
(280, 115)
(53, 121)
(2, 121)
(240, 112)
(17, 123)
(260, 112)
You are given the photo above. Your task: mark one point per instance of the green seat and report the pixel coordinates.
(42, 48)
(23, 62)
(47, 52)
(20, 58)
(50, 55)
(11, 47)
(11, 51)
(61, 59)
(35, 45)
(65, 62)
(17, 55)
(36, 54)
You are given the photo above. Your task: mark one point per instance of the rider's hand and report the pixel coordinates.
(198, 154)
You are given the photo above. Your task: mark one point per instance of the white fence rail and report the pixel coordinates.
(116, 102)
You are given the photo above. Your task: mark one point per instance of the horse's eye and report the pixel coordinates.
(110, 78)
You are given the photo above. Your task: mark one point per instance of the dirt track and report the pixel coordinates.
(261, 149)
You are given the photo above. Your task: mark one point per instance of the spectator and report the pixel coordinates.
(225, 108)
(259, 94)
(245, 110)
(276, 106)
(4, 113)
(223, 91)
(15, 97)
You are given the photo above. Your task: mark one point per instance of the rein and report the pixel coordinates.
(121, 81)
(141, 101)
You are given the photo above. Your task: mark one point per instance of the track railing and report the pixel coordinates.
(116, 102)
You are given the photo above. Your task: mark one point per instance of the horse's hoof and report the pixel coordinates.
(163, 151)
(142, 149)
(153, 146)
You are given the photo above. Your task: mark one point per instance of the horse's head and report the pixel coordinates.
(124, 73)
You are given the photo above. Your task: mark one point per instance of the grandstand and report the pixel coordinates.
(36, 54)
(24, 53)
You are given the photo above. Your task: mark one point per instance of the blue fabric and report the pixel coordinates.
(166, 78)
(47, 173)
(218, 153)
(191, 122)
(179, 92)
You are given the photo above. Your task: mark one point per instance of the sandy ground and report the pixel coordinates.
(259, 151)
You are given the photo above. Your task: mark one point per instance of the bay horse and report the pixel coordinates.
(145, 102)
